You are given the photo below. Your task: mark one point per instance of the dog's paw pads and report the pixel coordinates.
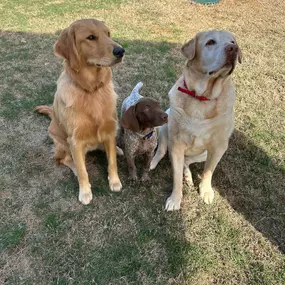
(172, 204)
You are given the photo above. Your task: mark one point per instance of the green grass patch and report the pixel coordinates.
(12, 235)
(47, 237)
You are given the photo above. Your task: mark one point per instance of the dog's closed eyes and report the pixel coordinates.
(146, 113)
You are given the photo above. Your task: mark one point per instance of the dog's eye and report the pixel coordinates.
(91, 38)
(232, 42)
(210, 43)
(109, 35)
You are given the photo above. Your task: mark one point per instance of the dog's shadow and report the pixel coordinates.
(246, 176)
(253, 185)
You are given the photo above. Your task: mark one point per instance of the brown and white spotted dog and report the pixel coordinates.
(139, 116)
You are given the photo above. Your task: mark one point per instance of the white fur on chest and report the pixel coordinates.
(188, 122)
(198, 134)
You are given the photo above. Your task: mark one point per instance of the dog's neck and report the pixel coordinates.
(90, 78)
(203, 84)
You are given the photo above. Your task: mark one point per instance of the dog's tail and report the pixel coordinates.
(43, 109)
(136, 91)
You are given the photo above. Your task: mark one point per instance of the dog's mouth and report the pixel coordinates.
(117, 60)
(161, 122)
(228, 67)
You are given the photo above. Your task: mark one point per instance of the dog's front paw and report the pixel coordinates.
(173, 203)
(85, 196)
(119, 151)
(206, 193)
(145, 178)
(153, 163)
(115, 185)
(133, 177)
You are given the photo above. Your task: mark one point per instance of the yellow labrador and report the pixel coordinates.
(201, 116)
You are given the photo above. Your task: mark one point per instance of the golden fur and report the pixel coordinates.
(84, 108)
(199, 130)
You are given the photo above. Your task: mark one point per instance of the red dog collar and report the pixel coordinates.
(192, 93)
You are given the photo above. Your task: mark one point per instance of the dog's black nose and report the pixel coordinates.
(118, 52)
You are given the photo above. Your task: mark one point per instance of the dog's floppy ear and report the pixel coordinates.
(65, 46)
(129, 120)
(189, 49)
(239, 55)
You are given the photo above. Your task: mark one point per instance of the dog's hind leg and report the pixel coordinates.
(63, 156)
(187, 173)
(162, 146)
(61, 147)
(189, 160)
(43, 109)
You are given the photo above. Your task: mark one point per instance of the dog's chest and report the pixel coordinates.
(195, 137)
(146, 145)
(138, 145)
(199, 134)
(196, 133)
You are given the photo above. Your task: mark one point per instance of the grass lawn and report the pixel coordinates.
(48, 237)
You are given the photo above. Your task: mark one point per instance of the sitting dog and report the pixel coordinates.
(139, 117)
(83, 115)
(201, 116)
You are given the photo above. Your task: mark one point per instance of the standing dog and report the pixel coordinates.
(139, 117)
(84, 114)
(201, 116)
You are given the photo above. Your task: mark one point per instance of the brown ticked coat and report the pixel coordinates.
(137, 134)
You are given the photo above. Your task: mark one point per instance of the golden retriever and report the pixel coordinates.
(201, 116)
(83, 115)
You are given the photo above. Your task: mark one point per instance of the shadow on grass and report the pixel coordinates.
(254, 186)
(126, 237)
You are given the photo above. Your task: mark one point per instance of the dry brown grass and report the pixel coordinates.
(47, 237)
